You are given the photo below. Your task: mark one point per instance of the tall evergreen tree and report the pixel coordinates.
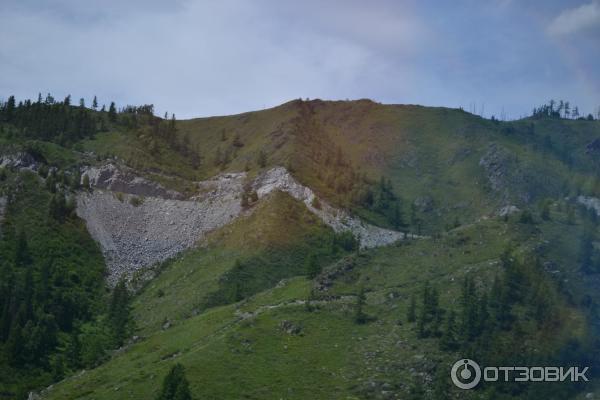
(359, 315)
(112, 112)
(22, 255)
(411, 314)
(449, 339)
(312, 266)
(119, 317)
(175, 385)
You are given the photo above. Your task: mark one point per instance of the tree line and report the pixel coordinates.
(561, 109)
(55, 314)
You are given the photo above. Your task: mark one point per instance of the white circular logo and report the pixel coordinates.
(465, 374)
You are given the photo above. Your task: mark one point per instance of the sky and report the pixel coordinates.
(198, 58)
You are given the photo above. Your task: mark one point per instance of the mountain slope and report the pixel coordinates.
(446, 164)
(278, 298)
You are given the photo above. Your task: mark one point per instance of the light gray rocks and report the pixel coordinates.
(19, 160)
(134, 235)
(590, 203)
(496, 162)
(279, 178)
(507, 210)
(125, 180)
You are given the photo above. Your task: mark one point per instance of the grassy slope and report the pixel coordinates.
(227, 356)
(433, 152)
(426, 152)
(279, 230)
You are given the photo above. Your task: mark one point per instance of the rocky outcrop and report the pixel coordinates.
(369, 235)
(125, 180)
(593, 148)
(20, 160)
(507, 210)
(496, 162)
(136, 232)
(511, 179)
(592, 203)
(133, 236)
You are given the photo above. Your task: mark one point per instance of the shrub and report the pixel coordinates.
(136, 201)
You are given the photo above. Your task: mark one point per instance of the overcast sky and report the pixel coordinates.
(201, 58)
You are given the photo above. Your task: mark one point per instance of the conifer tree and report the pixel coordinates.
(22, 255)
(112, 112)
(448, 341)
(119, 312)
(175, 385)
(411, 314)
(312, 266)
(261, 159)
(359, 315)
(95, 103)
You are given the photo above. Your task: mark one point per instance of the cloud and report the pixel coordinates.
(576, 19)
(201, 58)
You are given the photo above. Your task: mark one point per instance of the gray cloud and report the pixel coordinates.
(576, 19)
(200, 58)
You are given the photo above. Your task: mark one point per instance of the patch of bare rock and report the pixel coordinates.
(139, 223)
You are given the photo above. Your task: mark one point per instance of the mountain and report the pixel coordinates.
(319, 249)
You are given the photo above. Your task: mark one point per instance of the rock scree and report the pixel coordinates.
(136, 232)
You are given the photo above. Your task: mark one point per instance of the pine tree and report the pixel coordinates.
(441, 387)
(429, 320)
(468, 303)
(312, 266)
(112, 112)
(58, 207)
(416, 390)
(14, 346)
(119, 312)
(173, 126)
(261, 159)
(359, 315)
(175, 385)
(22, 255)
(545, 214)
(411, 314)
(9, 109)
(397, 220)
(448, 341)
(95, 103)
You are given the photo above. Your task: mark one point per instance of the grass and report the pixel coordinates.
(240, 351)
(273, 241)
(236, 349)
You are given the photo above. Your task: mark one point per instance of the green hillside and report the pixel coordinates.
(274, 345)
(275, 304)
(431, 156)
